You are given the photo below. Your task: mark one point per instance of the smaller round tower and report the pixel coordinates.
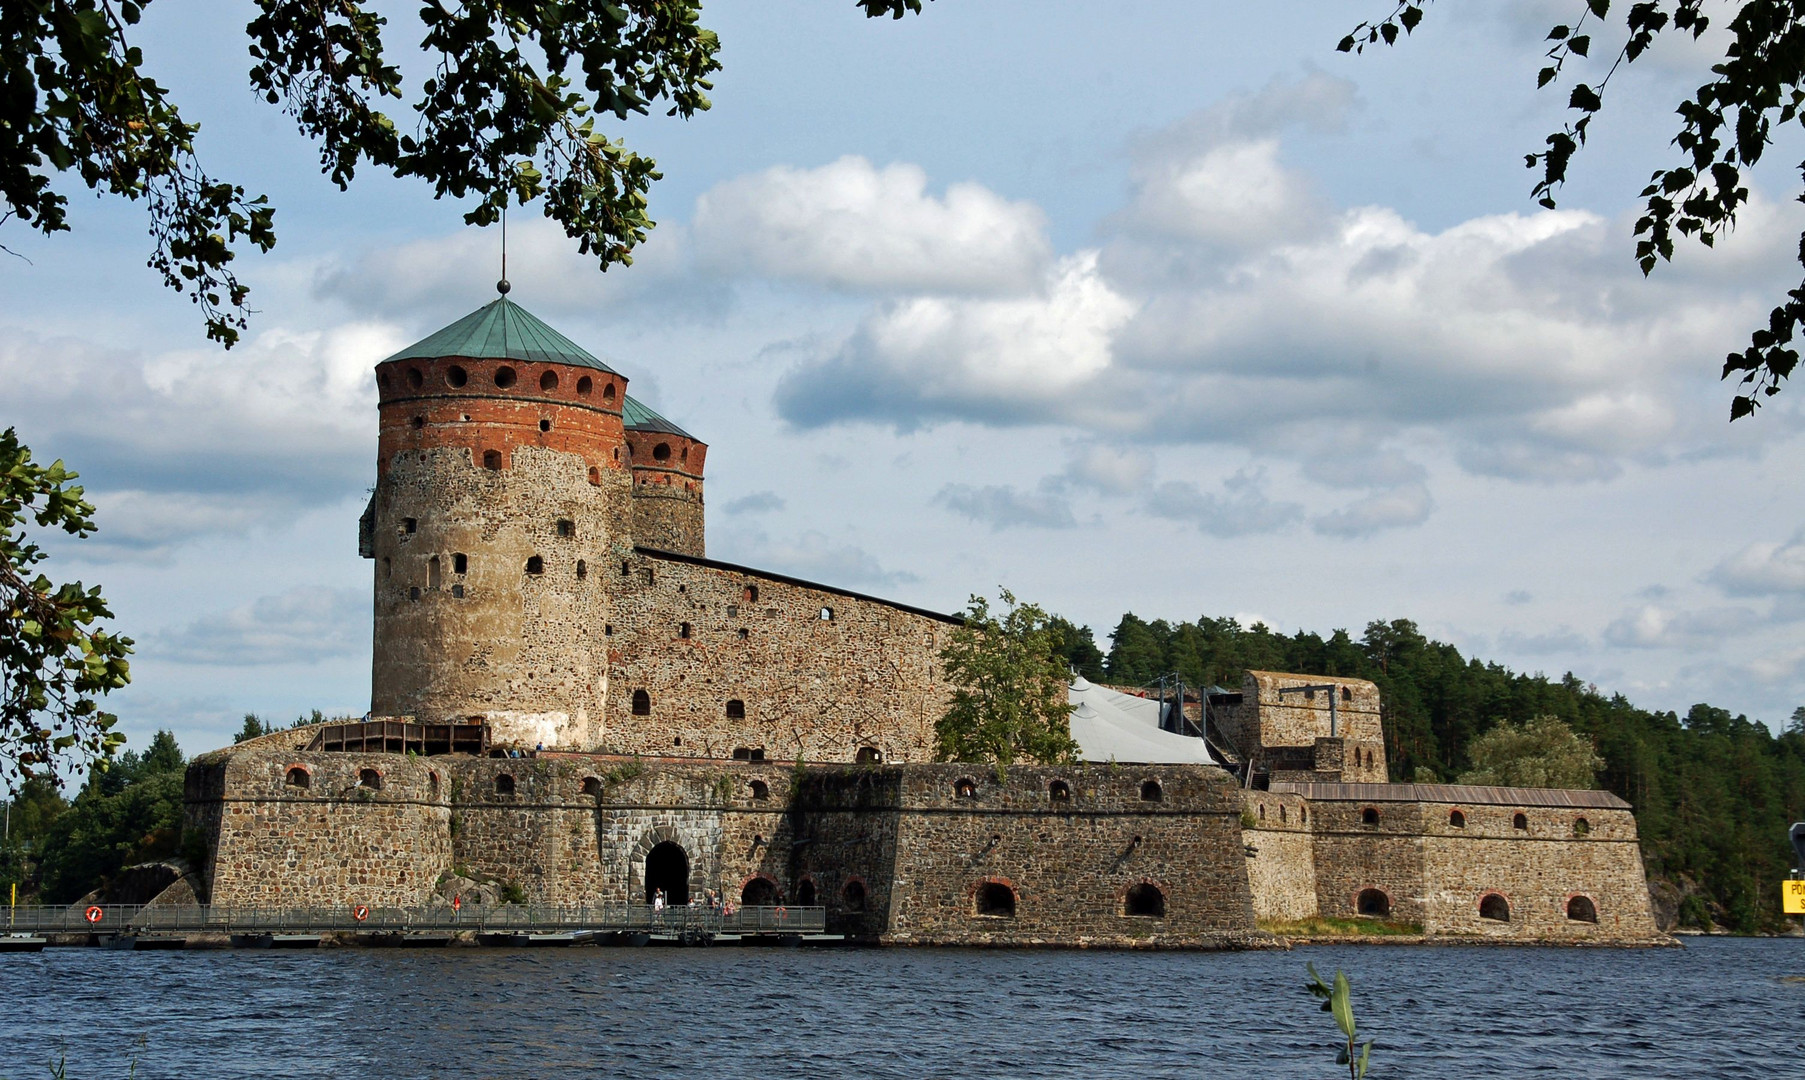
(667, 482)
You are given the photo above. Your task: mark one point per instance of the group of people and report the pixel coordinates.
(711, 899)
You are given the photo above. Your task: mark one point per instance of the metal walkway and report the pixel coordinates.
(694, 921)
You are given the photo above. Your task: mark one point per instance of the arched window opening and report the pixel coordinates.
(492, 460)
(1283, 818)
(299, 777)
(1581, 827)
(415, 379)
(369, 779)
(595, 475)
(661, 452)
(1521, 821)
(456, 376)
(434, 575)
(853, 896)
(548, 381)
(1582, 909)
(535, 564)
(827, 614)
(752, 594)
(419, 422)
(1457, 819)
(805, 893)
(667, 871)
(1151, 791)
(432, 785)
(504, 784)
(566, 528)
(1369, 816)
(1059, 791)
(684, 456)
(1346, 694)
(1145, 901)
(870, 755)
(505, 377)
(683, 630)
(1303, 814)
(759, 892)
(1494, 907)
(995, 900)
(382, 379)
(736, 709)
(582, 569)
(760, 790)
(642, 703)
(585, 386)
(965, 788)
(1372, 904)
(460, 563)
(1262, 811)
(592, 785)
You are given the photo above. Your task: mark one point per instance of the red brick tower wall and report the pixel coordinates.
(503, 488)
(667, 491)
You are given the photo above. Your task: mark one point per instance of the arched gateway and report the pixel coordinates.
(667, 868)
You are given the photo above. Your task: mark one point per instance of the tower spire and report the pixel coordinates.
(502, 286)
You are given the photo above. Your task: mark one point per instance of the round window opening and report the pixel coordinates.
(662, 452)
(1145, 901)
(995, 900)
(456, 376)
(505, 377)
(415, 379)
(548, 381)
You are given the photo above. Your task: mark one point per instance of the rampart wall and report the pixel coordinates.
(736, 662)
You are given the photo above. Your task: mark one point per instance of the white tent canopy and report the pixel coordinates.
(1110, 725)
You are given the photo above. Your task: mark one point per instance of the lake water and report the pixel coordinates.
(1719, 1008)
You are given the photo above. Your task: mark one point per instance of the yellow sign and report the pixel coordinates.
(1792, 897)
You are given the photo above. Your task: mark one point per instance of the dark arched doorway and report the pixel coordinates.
(667, 868)
(805, 892)
(759, 892)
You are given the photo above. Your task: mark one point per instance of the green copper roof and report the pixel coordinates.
(637, 417)
(502, 330)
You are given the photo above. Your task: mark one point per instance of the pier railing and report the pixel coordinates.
(689, 919)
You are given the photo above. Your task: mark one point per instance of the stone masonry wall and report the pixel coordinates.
(819, 675)
(1069, 863)
(1281, 865)
(1265, 718)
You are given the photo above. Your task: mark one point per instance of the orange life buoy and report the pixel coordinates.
(93, 914)
(360, 913)
(781, 911)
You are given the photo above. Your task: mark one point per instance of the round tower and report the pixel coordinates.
(503, 492)
(667, 482)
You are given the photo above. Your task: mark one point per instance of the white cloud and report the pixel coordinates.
(1109, 470)
(1653, 627)
(1764, 568)
(303, 625)
(1242, 510)
(198, 441)
(759, 502)
(1397, 508)
(934, 356)
(852, 225)
(1002, 507)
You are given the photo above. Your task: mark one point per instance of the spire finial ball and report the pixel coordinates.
(502, 286)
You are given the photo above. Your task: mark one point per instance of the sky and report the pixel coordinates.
(1162, 307)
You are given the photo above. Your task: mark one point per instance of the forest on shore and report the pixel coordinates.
(1714, 793)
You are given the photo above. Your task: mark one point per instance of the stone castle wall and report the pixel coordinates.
(667, 491)
(818, 674)
(1293, 735)
(1281, 855)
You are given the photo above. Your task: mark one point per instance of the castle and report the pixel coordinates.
(570, 697)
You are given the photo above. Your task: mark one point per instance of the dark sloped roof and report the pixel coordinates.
(502, 330)
(637, 417)
(1467, 794)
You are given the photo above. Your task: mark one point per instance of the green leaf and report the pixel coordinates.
(1343, 1006)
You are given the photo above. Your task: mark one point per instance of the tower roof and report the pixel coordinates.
(502, 330)
(637, 417)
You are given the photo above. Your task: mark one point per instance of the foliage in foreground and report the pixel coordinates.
(56, 659)
(1338, 1000)
(1009, 688)
(1714, 793)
